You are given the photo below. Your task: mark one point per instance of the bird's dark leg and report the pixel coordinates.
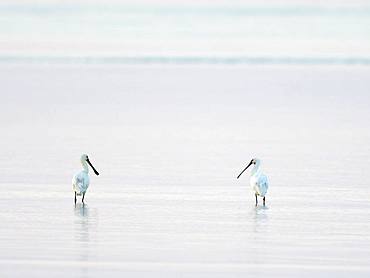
(264, 201)
(256, 199)
(83, 197)
(75, 197)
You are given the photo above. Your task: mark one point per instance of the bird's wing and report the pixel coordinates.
(263, 184)
(263, 180)
(81, 182)
(76, 178)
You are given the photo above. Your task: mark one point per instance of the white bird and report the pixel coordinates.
(81, 180)
(258, 180)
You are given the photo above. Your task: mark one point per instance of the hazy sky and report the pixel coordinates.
(273, 2)
(124, 28)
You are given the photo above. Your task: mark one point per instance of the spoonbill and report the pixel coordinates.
(81, 180)
(258, 180)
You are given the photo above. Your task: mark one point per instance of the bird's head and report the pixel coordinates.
(254, 161)
(85, 158)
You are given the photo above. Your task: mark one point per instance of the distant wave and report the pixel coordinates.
(185, 60)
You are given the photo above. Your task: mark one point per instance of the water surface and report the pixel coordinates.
(169, 142)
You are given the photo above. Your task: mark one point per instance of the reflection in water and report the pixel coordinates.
(260, 233)
(81, 210)
(260, 219)
(83, 224)
(260, 214)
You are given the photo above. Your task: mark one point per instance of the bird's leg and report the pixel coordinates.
(83, 197)
(256, 199)
(75, 197)
(264, 201)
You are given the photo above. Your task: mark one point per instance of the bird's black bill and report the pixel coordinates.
(96, 172)
(250, 163)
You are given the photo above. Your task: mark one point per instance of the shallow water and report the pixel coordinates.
(169, 142)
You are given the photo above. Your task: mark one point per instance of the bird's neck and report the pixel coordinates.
(85, 166)
(256, 169)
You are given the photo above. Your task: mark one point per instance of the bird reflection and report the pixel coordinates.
(261, 219)
(82, 210)
(259, 234)
(82, 237)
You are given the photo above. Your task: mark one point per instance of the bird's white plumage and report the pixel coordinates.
(81, 181)
(258, 180)
(259, 184)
